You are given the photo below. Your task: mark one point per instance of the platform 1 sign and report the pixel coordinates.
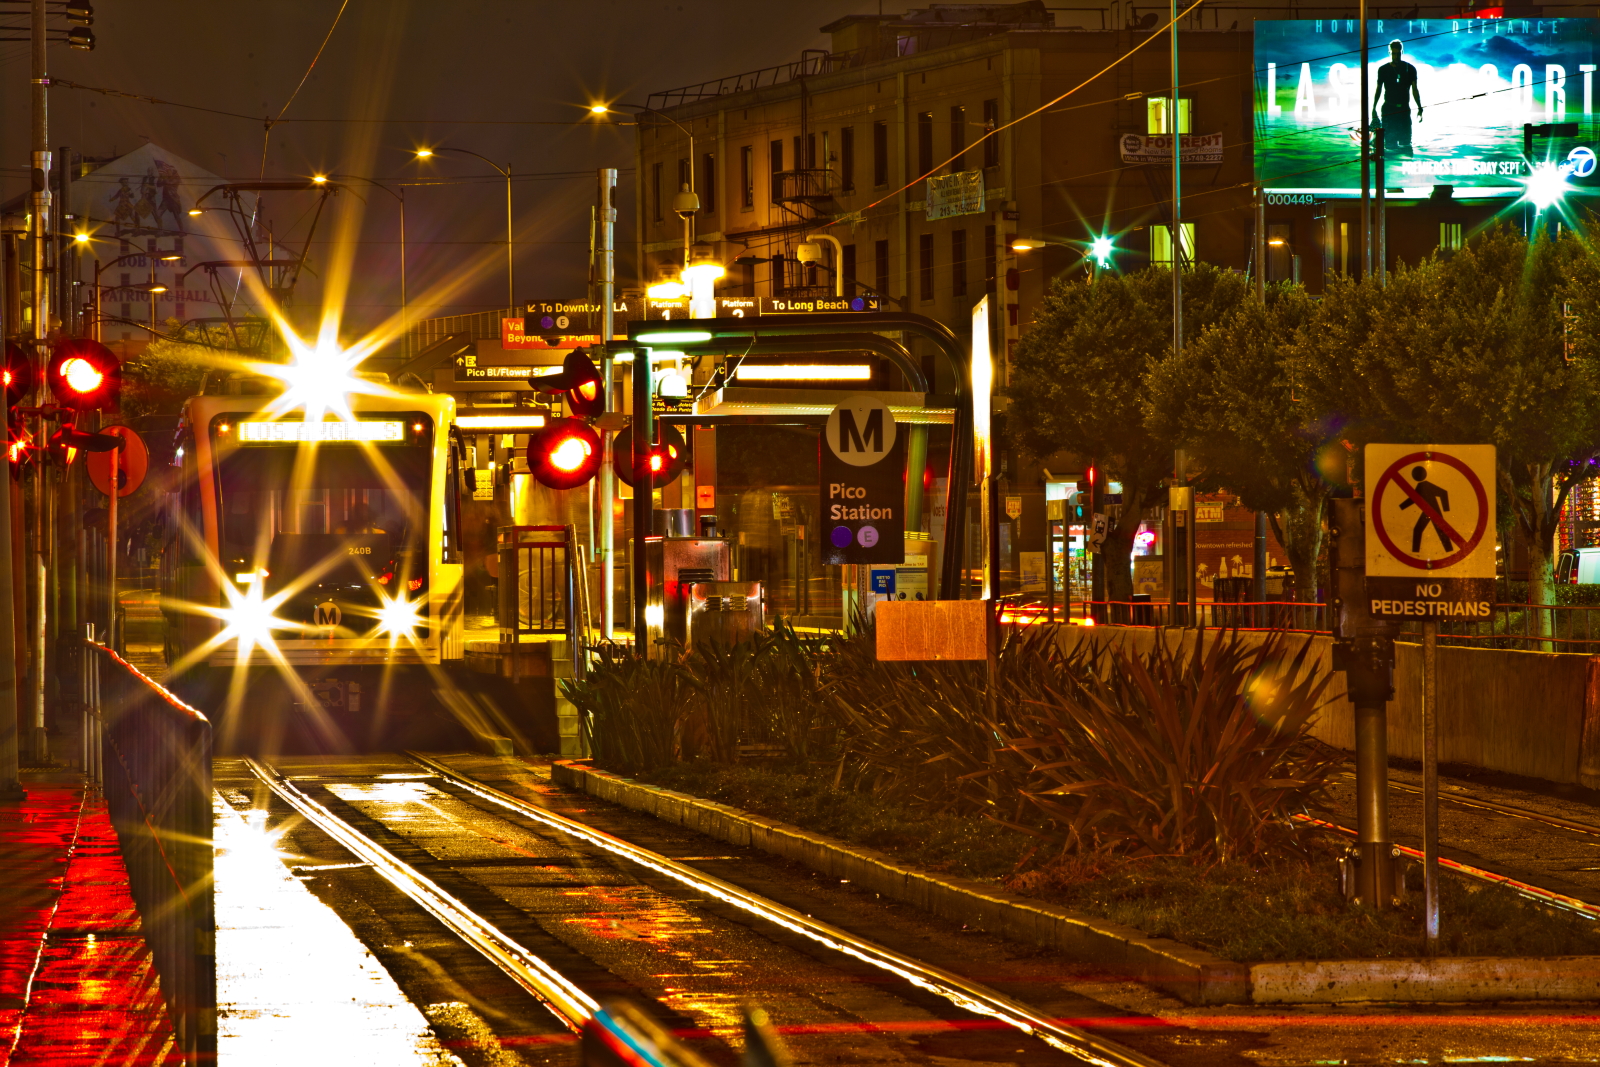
(1430, 530)
(862, 472)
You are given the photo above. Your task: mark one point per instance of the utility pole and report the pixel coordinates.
(644, 491)
(1175, 126)
(43, 234)
(606, 269)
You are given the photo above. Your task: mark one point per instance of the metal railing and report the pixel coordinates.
(536, 581)
(1524, 627)
(480, 326)
(151, 754)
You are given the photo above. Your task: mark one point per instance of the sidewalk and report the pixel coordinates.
(76, 981)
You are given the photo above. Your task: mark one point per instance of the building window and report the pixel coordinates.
(811, 151)
(708, 181)
(880, 154)
(991, 259)
(1450, 236)
(655, 192)
(880, 267)
(847, 267)
(799, 159)
(925, 267)
(958, 138)
(747, 279)
(924, 142)
(779, 274)
(747, 177)
(847, 159)
(991, 121)
(958, 262)
(777, 168)
(1158, 114)
(1161, 243)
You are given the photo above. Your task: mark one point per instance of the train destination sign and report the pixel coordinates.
(862, 469)
(1430, 530)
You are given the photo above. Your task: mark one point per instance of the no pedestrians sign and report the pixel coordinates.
(1430, 530)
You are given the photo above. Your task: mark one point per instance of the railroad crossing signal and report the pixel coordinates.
(84, 375)
(667, 459)
(580, 381)
(564, 454)
(1430, 522)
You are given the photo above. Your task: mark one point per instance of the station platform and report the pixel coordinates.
(77, 985)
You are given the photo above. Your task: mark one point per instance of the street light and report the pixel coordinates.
(686, 204)
(809, 251)
(511, 283)
(153, 288)
(400, 195)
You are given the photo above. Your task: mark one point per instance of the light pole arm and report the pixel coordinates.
(838, 259)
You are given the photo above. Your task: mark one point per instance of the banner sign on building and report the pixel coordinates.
(862, 473)
(1476, 83)
(1157, 148)
(955, 194)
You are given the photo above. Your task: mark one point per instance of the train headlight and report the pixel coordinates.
(249, 618)
(399, 617)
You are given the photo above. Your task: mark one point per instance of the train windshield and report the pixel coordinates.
(345, 524)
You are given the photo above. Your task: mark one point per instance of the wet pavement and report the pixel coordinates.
(618, 930)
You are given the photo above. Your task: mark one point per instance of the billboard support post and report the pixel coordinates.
(1366, 147)
(1380, 208)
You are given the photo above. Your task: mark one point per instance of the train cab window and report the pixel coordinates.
(450, 542)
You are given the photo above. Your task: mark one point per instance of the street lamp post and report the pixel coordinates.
(153, 289)
(399, 193)
(686, 207)
(511, 282)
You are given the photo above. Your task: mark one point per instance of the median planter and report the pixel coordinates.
(1190, 974)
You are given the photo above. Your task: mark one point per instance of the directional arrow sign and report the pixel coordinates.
(1430, 530)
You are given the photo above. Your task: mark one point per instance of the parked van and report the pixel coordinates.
(1579, 568)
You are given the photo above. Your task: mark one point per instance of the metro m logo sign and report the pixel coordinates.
(850, 435)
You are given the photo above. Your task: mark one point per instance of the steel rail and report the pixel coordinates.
(1532, 892)
(968, 995)
(1502, 809)
(569, 1003)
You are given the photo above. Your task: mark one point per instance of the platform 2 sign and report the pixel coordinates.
(1430, 530)
(862, 472)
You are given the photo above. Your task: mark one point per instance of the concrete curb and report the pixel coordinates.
(1190, 974)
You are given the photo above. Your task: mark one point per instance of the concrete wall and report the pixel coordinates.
(1516, 712)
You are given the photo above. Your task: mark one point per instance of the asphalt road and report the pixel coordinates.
(621, 931)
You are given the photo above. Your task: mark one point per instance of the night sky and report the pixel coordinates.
(510, 79)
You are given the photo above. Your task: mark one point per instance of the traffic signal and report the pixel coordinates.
(580, 381)
(85, 375)
(667, 459)
(68, 441)
(17, 376)
(564, 454)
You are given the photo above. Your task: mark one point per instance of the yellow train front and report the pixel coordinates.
(313, 574)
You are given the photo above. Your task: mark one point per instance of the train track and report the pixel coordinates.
(569, 1002)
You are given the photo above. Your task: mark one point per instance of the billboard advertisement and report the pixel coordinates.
(1453, 97)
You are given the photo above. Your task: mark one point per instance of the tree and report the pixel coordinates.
(1078, 378)
(1231, 398)
(1471, 349)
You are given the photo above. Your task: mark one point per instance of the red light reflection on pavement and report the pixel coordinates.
(87, 994)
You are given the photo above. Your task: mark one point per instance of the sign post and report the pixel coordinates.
(116, 473)
(1430, 555)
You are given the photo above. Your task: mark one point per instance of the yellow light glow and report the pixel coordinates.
(424, 153)
(804, 372)
(194, 211)
(156, 289)
(81, 238)
(654, 615)
(399, 617)
(500, 422)
(249, 618)
(598, 109)
(246, 577)
(1025, 244)
(259, 432)
(322, 376)
(319, 178)
(666, 291)
(171, 257)
(704, 270)
(1275, 242)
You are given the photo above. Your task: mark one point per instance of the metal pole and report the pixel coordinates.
(112, 637)
(644, 485)
(43, 233)
(607, 271)
(511, 281)
(1430, 785)
(1175, 127)
(1261, 244)
(1258, 569)
(405, 305)
(1366, 149)
(1381, 209)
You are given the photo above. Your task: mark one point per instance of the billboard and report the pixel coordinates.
(1477, 81)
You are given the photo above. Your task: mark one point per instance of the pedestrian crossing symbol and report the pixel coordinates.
(1430, 530)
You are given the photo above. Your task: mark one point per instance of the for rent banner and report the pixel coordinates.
(1452, 95)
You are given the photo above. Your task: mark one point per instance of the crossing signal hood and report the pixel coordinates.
(85, 375)
(579, 382)
(666, 459)
(564, 454)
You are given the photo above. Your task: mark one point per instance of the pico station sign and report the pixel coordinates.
(1430, 530)
(862, 468)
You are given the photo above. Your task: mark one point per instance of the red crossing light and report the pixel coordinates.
(85, 375)
(580, 381)
(564, 454)
(667, 459)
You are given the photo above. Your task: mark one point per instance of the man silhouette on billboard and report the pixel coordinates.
(1437, 498)
(1397, 87)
